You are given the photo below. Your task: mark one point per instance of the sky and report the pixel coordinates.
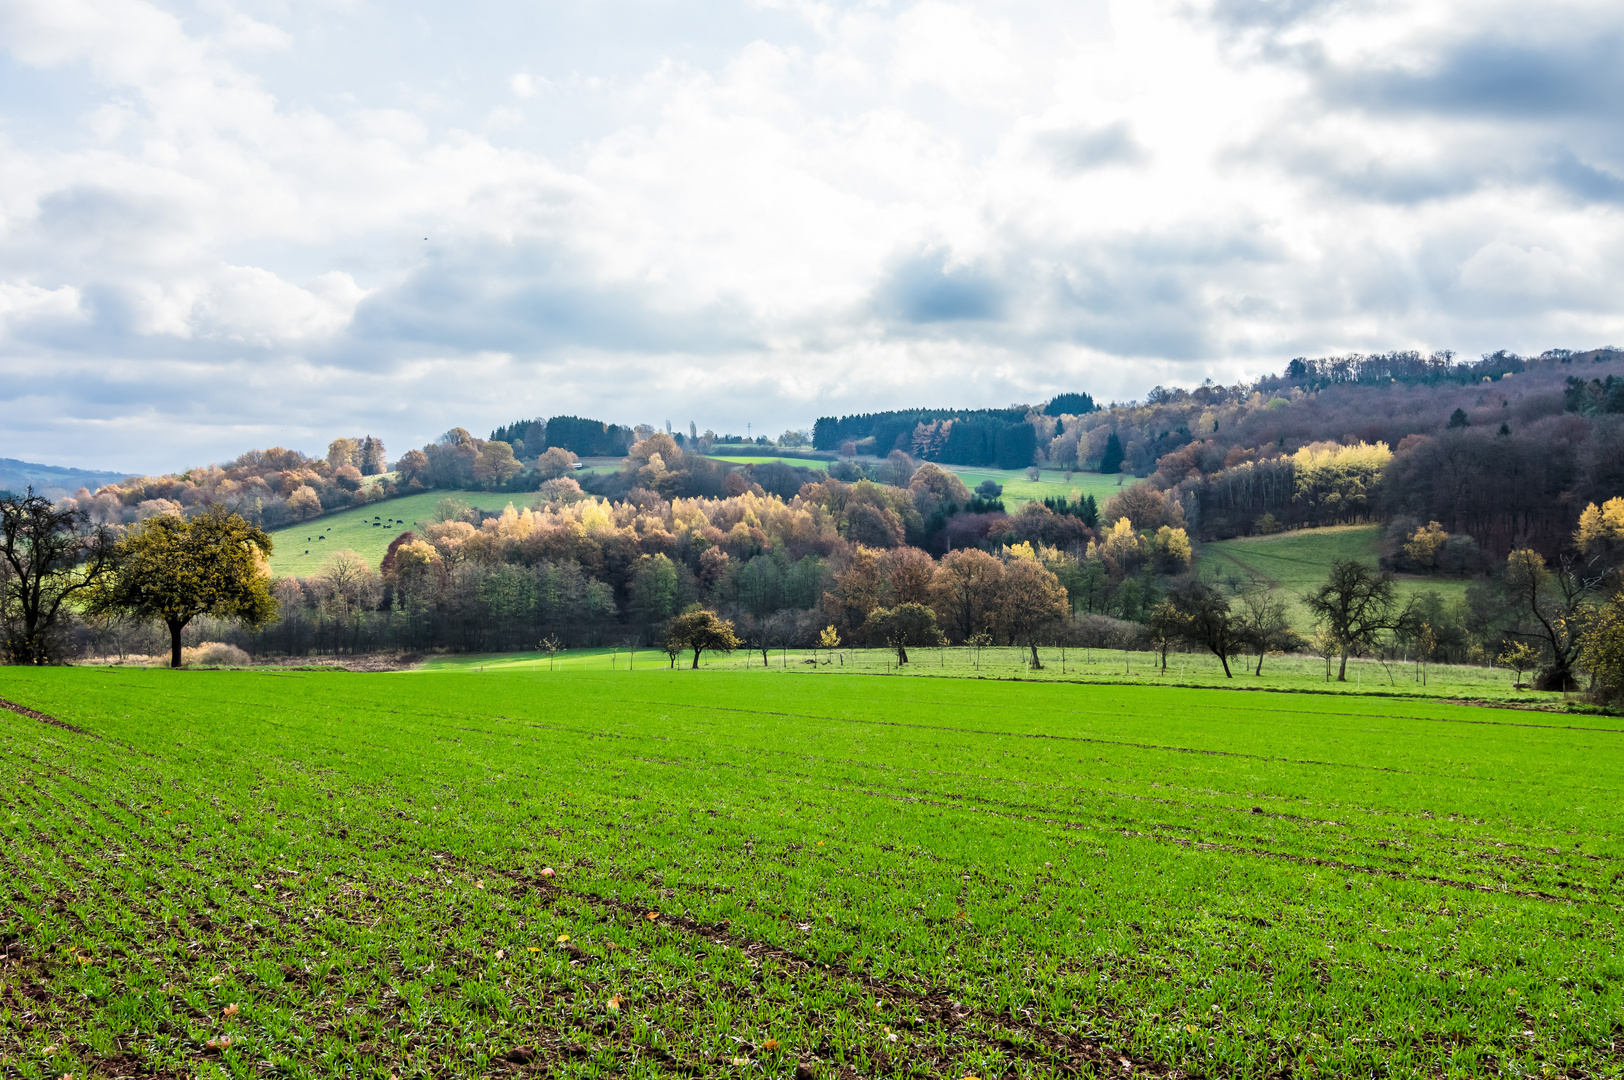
(228, 224)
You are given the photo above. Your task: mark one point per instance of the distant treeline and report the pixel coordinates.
(1005, 438)
(586, 438)
(1409, 366)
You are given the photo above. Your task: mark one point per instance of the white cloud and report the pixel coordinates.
(774, 212)
(22, 303)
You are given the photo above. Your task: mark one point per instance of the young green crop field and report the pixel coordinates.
(1298, 562)
(303, 550)
(721, 873)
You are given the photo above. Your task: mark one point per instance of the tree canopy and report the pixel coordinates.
(701, 631)
(901, 626)
(173, 570)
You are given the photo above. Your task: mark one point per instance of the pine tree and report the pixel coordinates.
(373, 459)
(1111, 460)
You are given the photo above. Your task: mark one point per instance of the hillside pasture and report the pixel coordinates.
(1052, 483)
(304, 550)
(676, 874)
(1299, 562)
(768, 459)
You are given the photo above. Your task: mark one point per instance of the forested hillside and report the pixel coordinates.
(1459, 464)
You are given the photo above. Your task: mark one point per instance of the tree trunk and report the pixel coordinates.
(1342, 672)
(1259, 670)
(1037, 665)
(696, 660)
(1224, 660)
(1555, 678)
(902, 654)
(174, 642)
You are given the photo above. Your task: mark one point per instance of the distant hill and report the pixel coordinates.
(52, 481)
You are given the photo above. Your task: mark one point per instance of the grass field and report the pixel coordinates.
(724, 874)
(1018, 490)
(767, 459)
(1295, 673)
(304, 549)
(1298, 562)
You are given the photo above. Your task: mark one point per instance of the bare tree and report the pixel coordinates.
(1208, 622)
(1264, 624)
(1357, 605)
(1549, 604)
(47, 558)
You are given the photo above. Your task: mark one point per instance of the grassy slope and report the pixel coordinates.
(1004, 878)
(354, 529)
(767, 459)
(1297, 562)
(1018, 490)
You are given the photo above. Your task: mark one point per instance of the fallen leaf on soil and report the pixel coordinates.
(613, 1003)
(230, 1010)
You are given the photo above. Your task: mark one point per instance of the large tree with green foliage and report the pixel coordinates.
(901, 626)
(49, 557)
(1601, 650)
(701, 631)
(174, 570)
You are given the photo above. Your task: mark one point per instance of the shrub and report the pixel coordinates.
(215, 654)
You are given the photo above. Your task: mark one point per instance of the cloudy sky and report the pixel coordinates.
(235, 223)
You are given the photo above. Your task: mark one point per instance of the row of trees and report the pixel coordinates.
(446, 591)
(55, 562)
(268, 488)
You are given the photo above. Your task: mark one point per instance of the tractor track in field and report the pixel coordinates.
(44, 718)
(1073, 1054)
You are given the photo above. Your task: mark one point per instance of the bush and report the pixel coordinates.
(215, 654)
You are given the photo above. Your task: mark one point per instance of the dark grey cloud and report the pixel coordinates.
(1142, 295)
(1270, 15)
(1586, 182)
(925, 290)
(531, 296)
(1092, 148)
(1571, 75)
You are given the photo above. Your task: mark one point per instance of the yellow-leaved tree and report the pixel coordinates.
(174, 570)
(1335, 482)
(1601, 529)
(1425, 544)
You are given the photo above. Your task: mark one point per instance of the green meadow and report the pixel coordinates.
(768, 459)
(1296, 673)
(1052, 483)
(1297, 562)
(724, 873)
(303, 550)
